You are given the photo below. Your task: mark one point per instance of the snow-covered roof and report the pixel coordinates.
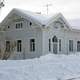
(75, 23)
(34, 17)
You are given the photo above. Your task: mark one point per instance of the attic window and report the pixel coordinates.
(30, 23)
(62, 26)
(19, 25)
(8, 26)
(43, 25)
(58, 24)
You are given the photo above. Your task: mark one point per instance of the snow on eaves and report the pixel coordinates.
(38, 18)
(32, 16)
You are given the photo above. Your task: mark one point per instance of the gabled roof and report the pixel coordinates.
(34, 17)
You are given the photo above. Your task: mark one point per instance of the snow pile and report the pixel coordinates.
(49, 67)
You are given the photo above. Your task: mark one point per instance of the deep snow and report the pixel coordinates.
(49, 67)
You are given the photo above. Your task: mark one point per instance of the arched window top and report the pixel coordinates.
(59, 23)
(54, 39)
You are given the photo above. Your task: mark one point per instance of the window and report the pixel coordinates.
(8, 27)
(7, 46)
(58, 24)
(78, 46)
(49, 44)
(55, 44)
(59, 44)
(32, 44)
(19, 25)
(30, 23)
(70, 45)
(19, 45)
(54, 39)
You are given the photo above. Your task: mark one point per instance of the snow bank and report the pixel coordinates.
(48, 67)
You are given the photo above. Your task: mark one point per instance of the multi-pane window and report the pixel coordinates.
(19, 45)
(70, 45)
(32, 44)
(59, 44)
(78, 46)
(49, 44)
(19, 25)
(7, 46)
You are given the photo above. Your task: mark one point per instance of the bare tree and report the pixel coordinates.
(4, 55)
(1, 3)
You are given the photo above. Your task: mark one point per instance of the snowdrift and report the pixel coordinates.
(48, 67)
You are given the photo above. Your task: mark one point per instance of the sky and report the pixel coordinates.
(69, 8)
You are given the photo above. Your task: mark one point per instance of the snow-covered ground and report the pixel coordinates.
(49, 67)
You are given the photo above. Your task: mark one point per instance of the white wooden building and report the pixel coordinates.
(36, 35)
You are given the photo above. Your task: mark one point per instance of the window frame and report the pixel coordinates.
(19, 25)
(8, 46)
(32, 45)
(71, 45)
(60, 41)
(8, 27)
(49, 44)
(19, 45)
(78, 46)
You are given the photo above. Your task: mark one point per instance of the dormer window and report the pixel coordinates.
(19, 25)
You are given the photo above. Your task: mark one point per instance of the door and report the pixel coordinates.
(55, 48)
(55, 45)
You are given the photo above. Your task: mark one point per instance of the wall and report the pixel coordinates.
(61, 33)
(65, 35)
(50, 33)
(25, 34)
(72, 35)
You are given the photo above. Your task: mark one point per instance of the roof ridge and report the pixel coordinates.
(40, 19)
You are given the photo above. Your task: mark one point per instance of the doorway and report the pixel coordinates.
(55, 45)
